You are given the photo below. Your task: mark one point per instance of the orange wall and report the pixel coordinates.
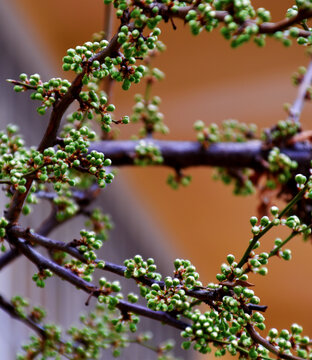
(207, 80)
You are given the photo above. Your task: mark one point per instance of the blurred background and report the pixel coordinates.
(205, 79)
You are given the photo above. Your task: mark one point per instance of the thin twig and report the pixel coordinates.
(296, 109)
(256, 238)
(257, 338)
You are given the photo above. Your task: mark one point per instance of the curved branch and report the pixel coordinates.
(207, 296)
(257, 338)
(48, 225)
(42, 262)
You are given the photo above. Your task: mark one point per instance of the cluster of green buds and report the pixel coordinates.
(37, 314)
(77, 58)
(243, 11)
(207, 134)
(125, 71)
(293, 12)
(97, 162)
(3, 224)
(137, 13)
(170, 298)
(235, 131)
(14, 159)
(288, 341)
(50, 348)
(100, 224)
(231, 130)
(187, 273)
(93, 103)
(88, 244)
(10, 142)
(225, 323)
(203, 18)
(137, 267)
(132, 298)
(177, 179)
(147, 112)
(282, 253)
(102, 329)
(135, 45)
(281, 166)
(282, 132)
(257, 226)
(66, 207)
(106, 288)
(225, 330)
(20, 304)
(41, 276)
(256, 264)
(146, 153)
(230, 270)
(295, 224)
(201, 332)
(243, 21)
(241, 179)
(55, 165)
(47, 92)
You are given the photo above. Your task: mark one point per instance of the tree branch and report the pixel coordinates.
(295, 110)
(257, 237)
(207, 296)
(10, 309)
(83, 199)
(164, 317)
(43, 263)
(183, 154)
(48, 225)
(264, 28)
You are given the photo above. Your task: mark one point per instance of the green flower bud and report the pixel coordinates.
(264, 221)
(2, 232)
(300, 179)
(110, 107)
(230, 258)
(18, 88)
(253, 220)
(274, 210)
(186, 344)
